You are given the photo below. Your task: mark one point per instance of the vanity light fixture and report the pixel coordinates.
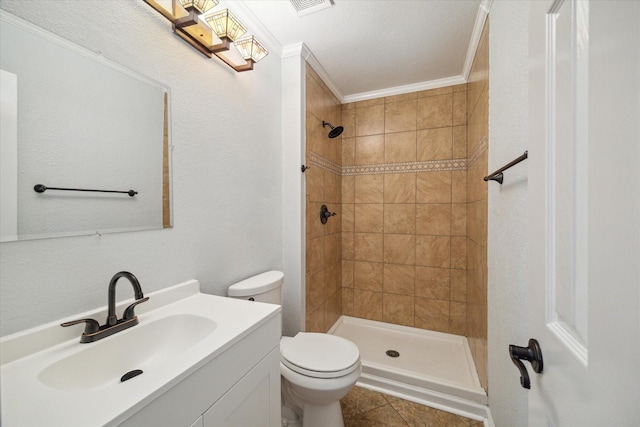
(214, 34)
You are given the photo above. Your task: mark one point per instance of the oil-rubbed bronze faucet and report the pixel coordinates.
(93, 331)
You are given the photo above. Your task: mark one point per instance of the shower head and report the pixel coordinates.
(335, 131)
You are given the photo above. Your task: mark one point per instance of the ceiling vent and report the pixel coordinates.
(305, 7)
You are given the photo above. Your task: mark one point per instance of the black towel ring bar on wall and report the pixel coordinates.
(39, 188)
(497, 175)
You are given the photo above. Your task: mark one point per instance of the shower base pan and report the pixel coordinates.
(427, 367)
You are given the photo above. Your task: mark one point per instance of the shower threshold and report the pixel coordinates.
(427, 367)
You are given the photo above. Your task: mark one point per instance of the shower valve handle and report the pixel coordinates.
(531, 353)
(325, 214)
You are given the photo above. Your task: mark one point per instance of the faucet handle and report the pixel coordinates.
(128, 312)
(91, 326)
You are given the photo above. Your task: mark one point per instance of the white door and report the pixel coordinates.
(584, 219)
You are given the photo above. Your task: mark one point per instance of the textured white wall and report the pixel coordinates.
(507, 228)
(227, 173)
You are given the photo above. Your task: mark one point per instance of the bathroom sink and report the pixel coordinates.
(49, 378)
(146, 346)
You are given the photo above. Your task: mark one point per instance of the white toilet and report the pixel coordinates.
(317, 369)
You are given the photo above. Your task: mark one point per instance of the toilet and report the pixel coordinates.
(317, 369)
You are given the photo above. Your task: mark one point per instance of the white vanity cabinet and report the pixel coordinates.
(238, 388)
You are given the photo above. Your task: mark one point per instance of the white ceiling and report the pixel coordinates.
(369, 47)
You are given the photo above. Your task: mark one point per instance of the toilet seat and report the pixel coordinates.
(319, 355)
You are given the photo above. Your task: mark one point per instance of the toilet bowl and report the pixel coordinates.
(317, 369)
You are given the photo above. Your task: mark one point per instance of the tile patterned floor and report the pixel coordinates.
(367, 408)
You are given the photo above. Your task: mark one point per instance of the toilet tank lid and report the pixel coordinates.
(255, 285)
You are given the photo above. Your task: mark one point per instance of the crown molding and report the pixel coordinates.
(481, 17)
(399, 90)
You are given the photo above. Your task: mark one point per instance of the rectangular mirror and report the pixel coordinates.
(72, 119)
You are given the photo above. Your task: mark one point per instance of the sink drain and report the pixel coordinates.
(392, 353)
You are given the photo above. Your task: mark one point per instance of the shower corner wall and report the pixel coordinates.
(408, 245)
(477, 148)
(323, 271)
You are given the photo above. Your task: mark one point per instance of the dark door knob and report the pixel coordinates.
(532, 354)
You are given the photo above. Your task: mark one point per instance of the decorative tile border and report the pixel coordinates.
(407, 167)
(319, 161)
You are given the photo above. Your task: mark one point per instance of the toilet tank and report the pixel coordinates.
(265, 287)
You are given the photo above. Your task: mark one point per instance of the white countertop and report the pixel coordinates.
(27, 400)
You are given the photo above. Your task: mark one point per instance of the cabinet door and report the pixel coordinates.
(253, 401)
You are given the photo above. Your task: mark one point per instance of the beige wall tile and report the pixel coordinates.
(432, 314)
(458, 186)
(433, 282)
(398, 309)
(348, 246)
(459, 108)
(400, 116)
(477, 221)
(347, 302)
(433, 187)
(314, 179)
(349, 151)
(315, 136)
(332, 249)
(369, 217)
(399, 279)
(314, 227)
(434, 219)
(333, 310)
(367, 276)
(314, 98)
(400, 188)
(400, 218)
(348, 122)
(458, 318)
(460, 88)
(400, 147)
(369, 188)
(458, 219)
(435, 111)
(369, 102)
(370, 150)
(399, 248)
(332, 280)
(332, 190)
(459, 252)
(367, 304)
(435, 144)
(348, 189)
(370, 120)
(334, 224)
(315, 320)
(368, 247)
(402, 97)
(347, 273)
(433, 251)
(459, 142)
(458, 285)
(434, 92)
(315, 255)
(314, 284)
(348, 216)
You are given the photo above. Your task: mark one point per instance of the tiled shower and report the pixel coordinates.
(408, 243)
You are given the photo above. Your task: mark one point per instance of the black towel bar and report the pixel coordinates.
(39, 188)
(497, 175)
